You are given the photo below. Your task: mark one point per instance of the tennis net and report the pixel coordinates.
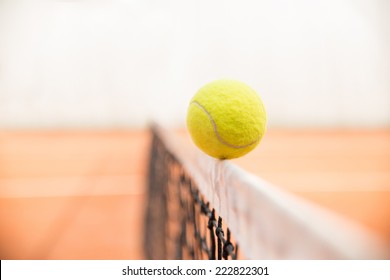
(203, 208)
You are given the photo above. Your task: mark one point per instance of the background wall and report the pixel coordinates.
(124, 63)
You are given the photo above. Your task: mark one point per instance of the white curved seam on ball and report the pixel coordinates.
(217, 133)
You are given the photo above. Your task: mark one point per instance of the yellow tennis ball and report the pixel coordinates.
(226, 119)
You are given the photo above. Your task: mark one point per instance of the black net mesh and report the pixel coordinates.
(181, 223)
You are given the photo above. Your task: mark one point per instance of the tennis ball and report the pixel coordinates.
(226, 119)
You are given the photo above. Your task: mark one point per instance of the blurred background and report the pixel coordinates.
(81, 80)
(98, 63)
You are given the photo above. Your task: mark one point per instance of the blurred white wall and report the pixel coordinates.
(124, 63)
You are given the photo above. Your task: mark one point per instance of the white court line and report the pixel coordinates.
(72, 186)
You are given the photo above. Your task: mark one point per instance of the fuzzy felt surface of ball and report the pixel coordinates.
(226, 119)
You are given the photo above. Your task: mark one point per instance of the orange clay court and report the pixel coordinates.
(82, 194)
